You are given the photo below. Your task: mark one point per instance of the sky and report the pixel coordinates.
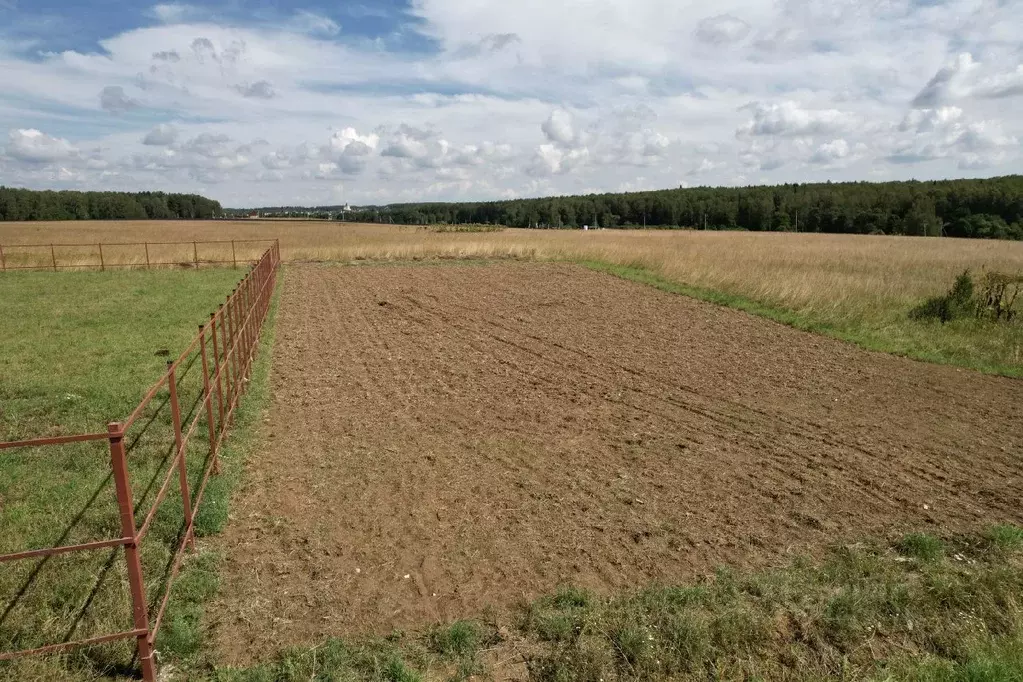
(258, 103)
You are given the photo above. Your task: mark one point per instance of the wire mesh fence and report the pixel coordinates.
(131, 255)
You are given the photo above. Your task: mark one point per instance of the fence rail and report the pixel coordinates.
(130, 255)
(226, 347)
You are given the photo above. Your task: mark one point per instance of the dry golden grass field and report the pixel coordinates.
(852, 286)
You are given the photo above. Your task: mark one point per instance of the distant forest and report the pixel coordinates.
(991, 208)
(26, 204)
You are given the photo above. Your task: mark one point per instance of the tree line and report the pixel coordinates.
(989, 208)
(25, 204)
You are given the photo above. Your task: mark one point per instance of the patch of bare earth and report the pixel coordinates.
(447, 442)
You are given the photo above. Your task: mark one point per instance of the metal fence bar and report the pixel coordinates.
(104, 261)
(140, 609)
(57, 440)
(211, 426)
(179, 443)
(50, 551)
(216, 369)
(53, 648)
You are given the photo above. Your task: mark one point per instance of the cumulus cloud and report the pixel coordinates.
(342, 140)
(722, 29)
(34, 146)
(162, 135)
(558, 101)
(559, 129)
(113, 99)
(830, 152)
(938, 88)
(788, 118)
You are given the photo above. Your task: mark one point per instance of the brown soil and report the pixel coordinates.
(447, 442)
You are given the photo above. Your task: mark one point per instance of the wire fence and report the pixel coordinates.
(131, 255)
(218, 363)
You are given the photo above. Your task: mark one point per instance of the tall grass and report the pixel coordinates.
(856, 287)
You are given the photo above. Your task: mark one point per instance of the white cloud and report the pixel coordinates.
(162, 135)
(34, 146)
(722, 29)
(790, 119)
(514, 99)
(558, 128)
(314, 24)
(830, 152)
(173, 12)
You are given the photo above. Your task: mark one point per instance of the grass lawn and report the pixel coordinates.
(78, 350)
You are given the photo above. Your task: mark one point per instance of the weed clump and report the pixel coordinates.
(994, 299)
(958, 303)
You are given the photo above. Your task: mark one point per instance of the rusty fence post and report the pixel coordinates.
(102, 267)
(231, 348)
(195, 253)
(247, 322)
(139, 608)
(186, 499)
(207, 397)
(234, 256)
(147, 255)
(53, 255)
(218, 367)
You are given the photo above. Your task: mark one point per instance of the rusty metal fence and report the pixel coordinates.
(130, 255)
(224, 349)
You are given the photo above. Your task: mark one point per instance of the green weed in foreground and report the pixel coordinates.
(863, 613)
(78, 350)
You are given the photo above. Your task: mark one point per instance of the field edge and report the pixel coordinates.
(922, 607)
(790, 318)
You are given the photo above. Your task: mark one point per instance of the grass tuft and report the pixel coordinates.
(1005, 537)
(922, 546)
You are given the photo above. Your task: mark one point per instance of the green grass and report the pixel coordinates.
(989, 347)
(864, 612)
(78, 350)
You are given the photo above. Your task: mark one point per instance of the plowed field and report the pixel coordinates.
(448, 441)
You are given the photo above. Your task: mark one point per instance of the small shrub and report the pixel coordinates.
(958, 303)
(922, 546)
